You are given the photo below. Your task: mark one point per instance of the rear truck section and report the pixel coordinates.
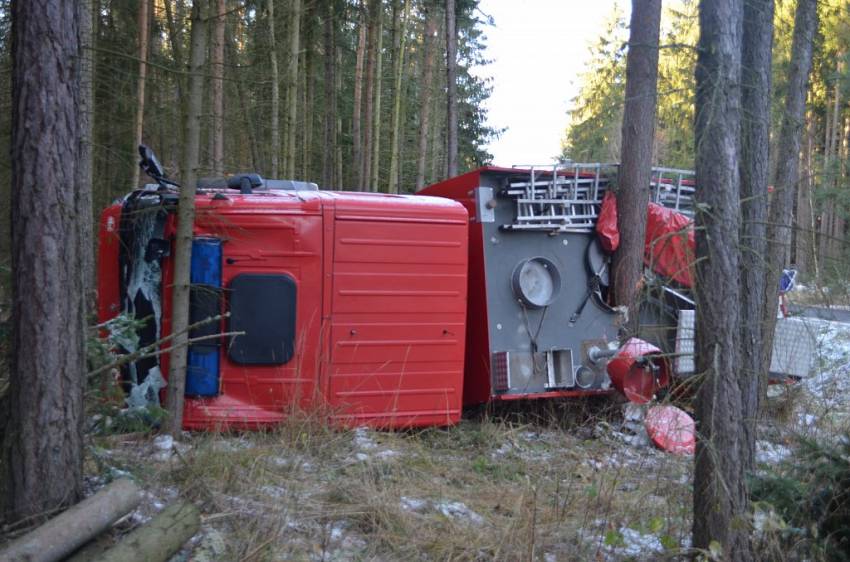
(539, 322)
(345, 305)
(539, 325)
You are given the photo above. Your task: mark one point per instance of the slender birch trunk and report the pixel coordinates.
(430, 48)
(275, 109)
(451, 89)
(185, 225)
(400, 43)
(142, 21)
(217, 87)
(376, 116)
(356, 133)
(292, 87)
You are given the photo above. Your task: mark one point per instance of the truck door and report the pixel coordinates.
(272, 275)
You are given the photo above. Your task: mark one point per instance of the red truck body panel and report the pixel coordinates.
(380, 311)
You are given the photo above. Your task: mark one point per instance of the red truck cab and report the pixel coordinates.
(348, 304)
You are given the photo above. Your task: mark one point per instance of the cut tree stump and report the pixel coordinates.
(66, 532)
(160, 538)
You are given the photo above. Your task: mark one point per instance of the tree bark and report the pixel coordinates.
(308, 107)
(65, 533)
(437, 133)
(329, 141)
(44, 437)
(374, 167)
(84, 179)
(720, 499)
(174, 39)
(803, 233)
(185, 225)
(138, 124)
(756, 61)
(275, 109)
(159, 539)
(400, 30)
(245, 110)
(451, 90)
(787, 157)
(292, 87)
(636, 153)
(356, 133)
(371, 41)
(217, 86)
(425, 101)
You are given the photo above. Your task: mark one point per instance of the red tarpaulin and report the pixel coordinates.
(670, 243)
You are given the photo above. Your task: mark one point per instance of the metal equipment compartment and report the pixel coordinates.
(536, 281)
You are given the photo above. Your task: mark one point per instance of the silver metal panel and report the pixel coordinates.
(684, 363)
(518, 328)
(484, 204)
(561, 369)
(794, 345)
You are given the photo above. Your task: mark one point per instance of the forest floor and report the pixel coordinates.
(575, 481)
(581, 482)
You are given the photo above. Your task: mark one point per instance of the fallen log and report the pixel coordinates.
(74, 527)
(157, 540)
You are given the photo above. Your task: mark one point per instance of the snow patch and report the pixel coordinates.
(459, 510)
(771, 453)
(363, 440)
(636, 544)
(413, 504)
(455, 510)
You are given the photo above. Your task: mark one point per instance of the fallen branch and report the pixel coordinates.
(160, 538)
(150, 350)
(66, 532)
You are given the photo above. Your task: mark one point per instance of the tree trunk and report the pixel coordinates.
(243, 97)
(451, 90)
(636, 153)
(159, 539)
(803, 250)
(720, 499)
(376, 115)
(372, 40)
(329, 141)
(338, 87)
(275, 78)
(427, 89)
(179, 100)
(787, 157)
(292, 87)
(84, 179)
(44, 436)
(356, 133)
(756, 61)
(185, 224)
(65, 533)
(217, 86)
(142, 20)
(400, 30)
(436, 133)
(308, 110)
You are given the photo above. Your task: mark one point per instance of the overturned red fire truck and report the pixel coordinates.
(382, 310)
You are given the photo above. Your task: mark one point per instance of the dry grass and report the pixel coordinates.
(488, 489)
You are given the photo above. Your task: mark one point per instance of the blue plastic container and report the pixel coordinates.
(202, 371)
(203, 364)
(206, 261)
